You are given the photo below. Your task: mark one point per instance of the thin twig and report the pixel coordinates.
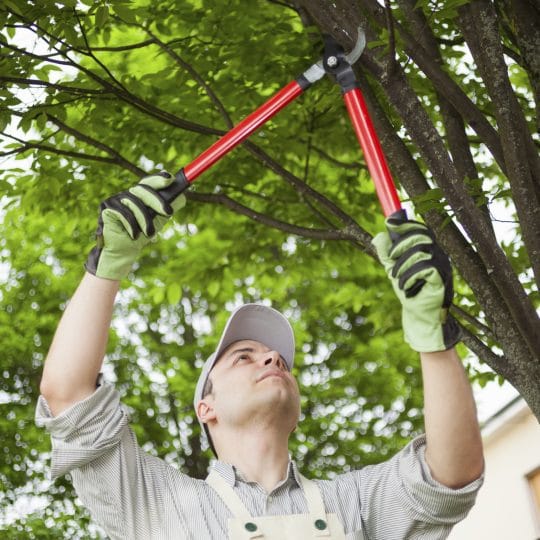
(498, 363)
(117, 158)
(359, 234)
(125, 47)
(473, 321)
(319, 234)
(38, 82)
(333, 160)
(95, 58)
(196, 76)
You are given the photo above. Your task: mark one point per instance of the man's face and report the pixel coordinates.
(252, 383)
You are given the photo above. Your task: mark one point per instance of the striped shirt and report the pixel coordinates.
(133, 495)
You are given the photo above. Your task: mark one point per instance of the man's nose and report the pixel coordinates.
(271, 358)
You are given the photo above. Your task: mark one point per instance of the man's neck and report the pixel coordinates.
(261, 456)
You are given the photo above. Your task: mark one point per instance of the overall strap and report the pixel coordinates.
(316, 508)
(228, 495)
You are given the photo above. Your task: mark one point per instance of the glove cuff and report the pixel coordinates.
(91, 263)
(104, 264)
(451, 332)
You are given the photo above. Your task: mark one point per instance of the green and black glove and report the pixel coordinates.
(128, 221)
(421, 275)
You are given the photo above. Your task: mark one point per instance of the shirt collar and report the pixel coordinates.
(232, 475)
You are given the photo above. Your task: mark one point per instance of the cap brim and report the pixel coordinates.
(259, 323)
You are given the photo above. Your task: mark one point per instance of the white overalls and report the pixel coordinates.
(316, 525)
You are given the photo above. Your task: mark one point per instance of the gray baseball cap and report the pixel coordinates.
(250, 321)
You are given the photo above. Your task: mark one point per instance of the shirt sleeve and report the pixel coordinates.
(122, 486)
(402, 493)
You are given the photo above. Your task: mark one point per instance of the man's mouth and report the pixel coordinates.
(271, 373)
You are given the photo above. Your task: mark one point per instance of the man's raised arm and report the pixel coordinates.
(454, 445)
(76, 354)
(422, 279)
(126, 223)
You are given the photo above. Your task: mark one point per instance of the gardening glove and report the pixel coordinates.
(128, 221)
(421, 275)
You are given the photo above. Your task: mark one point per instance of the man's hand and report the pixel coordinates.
(422, 279)
(127, 222)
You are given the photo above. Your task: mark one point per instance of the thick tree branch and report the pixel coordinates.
(458, 141)
(389, 19)
(470, 216)
(445, 85)
(524, 17)
(479, 25)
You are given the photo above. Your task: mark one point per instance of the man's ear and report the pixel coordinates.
(205, 410)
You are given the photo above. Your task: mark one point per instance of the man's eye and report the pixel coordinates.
(242, 357)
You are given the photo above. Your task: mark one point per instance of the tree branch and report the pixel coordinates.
(116, 159)
(121, 92)
(464, 257)
(334, 161)
(89, 53)
(461, 313)
(446, 86)
(479, 228)
(479, 25)
(125, 47)
(359, 234)
(318, 234)
(115, 156)
(196, 76)
(499, 364)
(39, 57)
(46, 84)
(68, 153)
(389, 19)
(458, 141)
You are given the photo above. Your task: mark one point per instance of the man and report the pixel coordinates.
(248, 402)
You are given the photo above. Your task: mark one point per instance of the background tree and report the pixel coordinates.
(97, 93)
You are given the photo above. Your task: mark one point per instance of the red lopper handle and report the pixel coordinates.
(374, 156)
(242, 131)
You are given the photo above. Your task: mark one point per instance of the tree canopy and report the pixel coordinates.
(96, 94)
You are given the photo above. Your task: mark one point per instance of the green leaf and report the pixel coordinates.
(102, 15)
(213, 289)
(125, 13)
(174, 293)
(11, 4)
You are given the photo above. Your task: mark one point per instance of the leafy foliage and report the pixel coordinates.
(96, 94)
